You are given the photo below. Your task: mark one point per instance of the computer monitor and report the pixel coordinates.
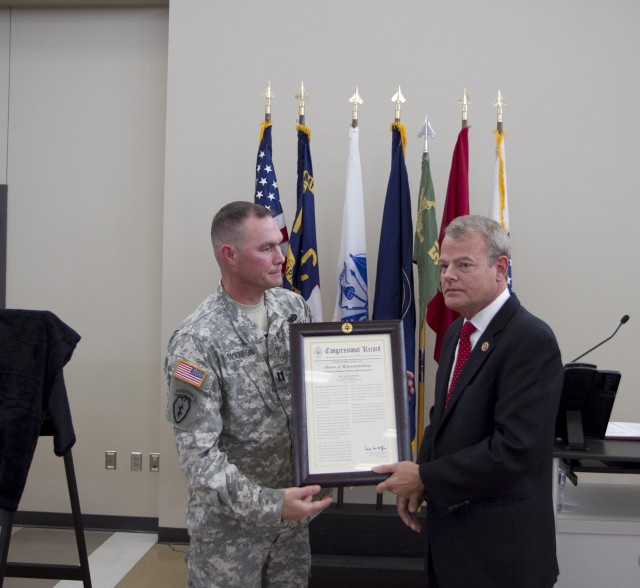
(587, 399)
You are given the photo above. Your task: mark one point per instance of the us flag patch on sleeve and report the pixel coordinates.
(189, 373)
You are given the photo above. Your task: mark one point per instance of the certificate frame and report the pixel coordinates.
(307, 341)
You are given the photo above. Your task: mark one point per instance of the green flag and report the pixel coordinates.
(426, 251)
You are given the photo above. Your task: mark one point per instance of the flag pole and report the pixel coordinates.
(301, 96)
(266, 190)
(356, 99)
(421, 375)
(399, 100)
(268, 94)
(499, 103)
(465, 100)
(427, 132)
(499, 203)
(456, 204)
(302, 274)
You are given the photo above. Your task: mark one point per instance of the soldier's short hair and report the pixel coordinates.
(227, 224)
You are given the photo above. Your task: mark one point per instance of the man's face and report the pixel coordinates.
(258, 258)
(468, 283)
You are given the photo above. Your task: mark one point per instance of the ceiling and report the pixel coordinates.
(81, 3)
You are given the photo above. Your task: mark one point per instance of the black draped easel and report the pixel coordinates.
(34, 348)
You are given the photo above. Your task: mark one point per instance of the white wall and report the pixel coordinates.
(566, 69)
(91, 238)
(5, 37)
(85, 174)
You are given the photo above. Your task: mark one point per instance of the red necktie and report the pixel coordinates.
(464, 349)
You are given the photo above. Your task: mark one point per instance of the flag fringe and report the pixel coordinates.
(305, 130)
(501, 184)
(403, 135)
(263, 126)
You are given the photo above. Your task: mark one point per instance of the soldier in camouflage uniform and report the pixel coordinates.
(229, 402)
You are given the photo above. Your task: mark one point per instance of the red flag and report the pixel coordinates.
(439, 317)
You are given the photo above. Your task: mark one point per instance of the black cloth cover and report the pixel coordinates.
(34, 347)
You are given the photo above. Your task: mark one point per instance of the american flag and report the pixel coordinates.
(267, 193)
(189, 373)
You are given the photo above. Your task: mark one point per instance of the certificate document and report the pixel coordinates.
(350, 403)
(349, 400)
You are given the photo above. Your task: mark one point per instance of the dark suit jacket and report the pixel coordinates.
(486, 460)
(34, 347)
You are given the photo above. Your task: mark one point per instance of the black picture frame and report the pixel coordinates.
(303, 337)
(3, 244)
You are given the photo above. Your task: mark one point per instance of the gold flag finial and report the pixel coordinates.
(301, 96)
(465, 100)
(356, 99)
(268, 95)
(499, 103)
(399, 100)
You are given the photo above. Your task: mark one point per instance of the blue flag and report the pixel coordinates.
(394, 295)
(267, 193)
(302, 274)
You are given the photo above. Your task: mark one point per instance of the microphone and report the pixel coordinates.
(623, 320)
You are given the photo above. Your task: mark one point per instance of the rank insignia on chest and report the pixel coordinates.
(189, 373)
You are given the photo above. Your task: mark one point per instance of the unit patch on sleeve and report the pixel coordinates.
(189, 373)
(183, 407)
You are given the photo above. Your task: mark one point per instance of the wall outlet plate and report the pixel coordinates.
(110, 461)
(154, 462)
(136, 461)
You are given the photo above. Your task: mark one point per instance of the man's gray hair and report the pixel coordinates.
(494, 235)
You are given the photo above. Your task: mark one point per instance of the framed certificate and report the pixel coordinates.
(349, 401)
(3, 245)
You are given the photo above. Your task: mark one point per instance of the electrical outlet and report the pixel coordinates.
(154, 462)
(136, 461)
(110, 460)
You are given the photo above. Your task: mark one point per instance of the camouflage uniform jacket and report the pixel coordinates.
(230, 405)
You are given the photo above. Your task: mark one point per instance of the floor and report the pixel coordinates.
(116, 560)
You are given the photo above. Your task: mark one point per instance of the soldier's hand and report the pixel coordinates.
(298, 503)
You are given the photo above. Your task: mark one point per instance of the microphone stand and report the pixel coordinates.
(623, 320)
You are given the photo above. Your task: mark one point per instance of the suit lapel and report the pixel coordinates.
(481, 351)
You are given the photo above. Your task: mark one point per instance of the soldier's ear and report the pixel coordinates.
(228, 253)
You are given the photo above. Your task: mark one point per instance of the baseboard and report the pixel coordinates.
(351, 546)
(59, 520)
(89, 521)
(354, 530)
(172, 535)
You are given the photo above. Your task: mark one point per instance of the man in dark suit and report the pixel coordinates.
(485, 464)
